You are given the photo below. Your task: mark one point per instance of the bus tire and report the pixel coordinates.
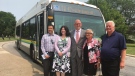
(32, 53)
(18, 45)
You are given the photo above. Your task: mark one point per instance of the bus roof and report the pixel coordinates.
(75, 2)
(37, 8)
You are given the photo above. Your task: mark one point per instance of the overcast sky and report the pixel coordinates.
(19, 7)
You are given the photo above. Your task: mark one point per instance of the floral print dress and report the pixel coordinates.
(62, 64)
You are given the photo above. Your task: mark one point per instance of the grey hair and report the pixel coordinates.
(90, 30)
(111, 22)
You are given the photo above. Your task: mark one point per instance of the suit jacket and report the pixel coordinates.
(77, 48)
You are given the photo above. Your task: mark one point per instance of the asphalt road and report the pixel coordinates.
(129, 69)
(14, 62)
(33, 69)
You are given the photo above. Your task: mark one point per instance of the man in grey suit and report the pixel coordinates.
(77, 41)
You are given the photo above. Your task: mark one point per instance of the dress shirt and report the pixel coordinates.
(47, 43)
(79, 31)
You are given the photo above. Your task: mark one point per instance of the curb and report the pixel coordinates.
(3, 43)
(130, 55)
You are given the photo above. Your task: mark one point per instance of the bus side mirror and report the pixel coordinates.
(50, 12)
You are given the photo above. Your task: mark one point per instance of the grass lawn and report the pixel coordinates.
(6, 39)
(130, 48)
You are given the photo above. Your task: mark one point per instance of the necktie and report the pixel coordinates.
(77, 36)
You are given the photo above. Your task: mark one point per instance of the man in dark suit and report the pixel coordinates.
(77, 41)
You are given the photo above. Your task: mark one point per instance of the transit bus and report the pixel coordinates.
(31, 27)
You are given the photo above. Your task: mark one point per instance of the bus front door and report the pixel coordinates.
(40, 32)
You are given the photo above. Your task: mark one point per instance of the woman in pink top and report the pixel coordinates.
(61, 61)
(91, 54)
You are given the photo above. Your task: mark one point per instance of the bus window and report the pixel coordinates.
(88, 22)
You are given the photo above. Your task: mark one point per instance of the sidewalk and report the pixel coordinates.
(12, 65)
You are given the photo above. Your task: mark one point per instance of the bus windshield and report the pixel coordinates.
(96, 23)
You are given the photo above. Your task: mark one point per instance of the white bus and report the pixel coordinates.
(31, 27)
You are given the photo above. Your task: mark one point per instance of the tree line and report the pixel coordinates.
(7, 23)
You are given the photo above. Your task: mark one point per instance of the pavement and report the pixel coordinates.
(12, 65)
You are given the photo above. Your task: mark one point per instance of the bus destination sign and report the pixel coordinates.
(74, 8)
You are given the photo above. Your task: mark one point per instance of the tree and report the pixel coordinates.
(131, 30)
(111, 14)
(7, 23)
(126, 8)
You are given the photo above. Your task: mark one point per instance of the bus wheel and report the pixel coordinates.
(32, 52)
(18, 45)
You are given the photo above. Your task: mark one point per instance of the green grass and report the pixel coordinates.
(130, 48)
(6, 39)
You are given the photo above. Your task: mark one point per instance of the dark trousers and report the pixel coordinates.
(111, 67)
(77, 66)
(47, 63)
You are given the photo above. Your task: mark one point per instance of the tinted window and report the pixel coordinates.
(32, 28)
(88, 22)
(18, 31)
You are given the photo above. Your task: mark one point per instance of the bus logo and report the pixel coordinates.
(56, 7)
